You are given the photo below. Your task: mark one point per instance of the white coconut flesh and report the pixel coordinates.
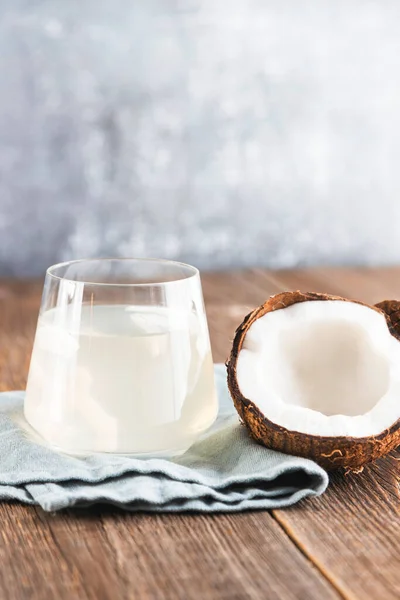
(326, 368)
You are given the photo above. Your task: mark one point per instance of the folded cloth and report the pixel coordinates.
(225, 471)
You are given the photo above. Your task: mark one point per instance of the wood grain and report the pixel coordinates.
(225, 556)
(352, 532)
(345, 544)
(229, 297)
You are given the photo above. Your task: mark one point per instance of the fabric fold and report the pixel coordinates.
(225, 471)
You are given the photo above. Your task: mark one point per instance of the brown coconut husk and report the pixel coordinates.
(329, 452)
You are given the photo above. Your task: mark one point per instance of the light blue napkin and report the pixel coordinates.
(224, 471)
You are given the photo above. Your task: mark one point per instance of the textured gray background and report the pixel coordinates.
(220, 132)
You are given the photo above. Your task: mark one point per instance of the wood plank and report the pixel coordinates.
(31, 564)
(242, 288)
(352, 532)
(104, 553)
(370, 285)
(228, 298)
(226, 556)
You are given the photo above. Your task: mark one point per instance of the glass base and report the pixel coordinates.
(35, 436)
(171, 442)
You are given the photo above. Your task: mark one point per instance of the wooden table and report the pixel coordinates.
(345, 544)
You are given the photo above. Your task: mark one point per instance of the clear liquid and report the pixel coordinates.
(121, 379)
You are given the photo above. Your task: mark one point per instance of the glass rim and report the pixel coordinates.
(193, 271)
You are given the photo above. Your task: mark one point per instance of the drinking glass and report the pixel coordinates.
(121, 360)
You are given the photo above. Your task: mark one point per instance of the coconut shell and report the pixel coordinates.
(330, 452)
(391, 308)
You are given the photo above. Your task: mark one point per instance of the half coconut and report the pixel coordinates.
(319, 376)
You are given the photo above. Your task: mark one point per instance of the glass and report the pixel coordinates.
(122, 360)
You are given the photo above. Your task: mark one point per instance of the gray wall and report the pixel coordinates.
(220, 132)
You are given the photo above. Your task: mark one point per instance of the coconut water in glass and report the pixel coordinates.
(121, 359)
